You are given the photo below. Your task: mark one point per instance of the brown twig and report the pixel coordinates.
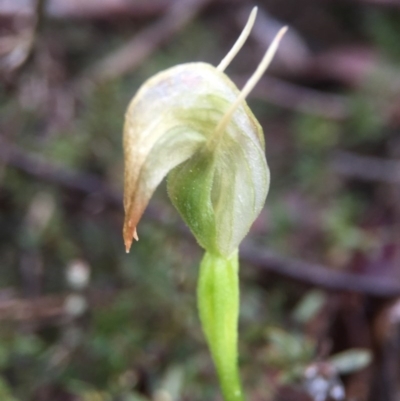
(47, 307)
(50, 172)
(107, 9)
(23, 43)
(385, 3)
(299, 98)
(89, 9)
(293, 53)
(366, 167)
(132, 54)
(318, 275)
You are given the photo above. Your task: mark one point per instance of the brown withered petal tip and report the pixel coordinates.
(129, 235)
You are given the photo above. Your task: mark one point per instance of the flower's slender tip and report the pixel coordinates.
(282, 32)
(257, 74)
(239, 42)
(130, 234)
(128, 244)
(127, 247)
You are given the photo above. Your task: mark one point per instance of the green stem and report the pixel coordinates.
(218, 303)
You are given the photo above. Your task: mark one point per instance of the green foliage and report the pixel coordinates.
(366, 122)
(315, 135)
(351, 360)
(383, 28)
(5, 391)
(309, 306)
(339, 223)
(315, 138)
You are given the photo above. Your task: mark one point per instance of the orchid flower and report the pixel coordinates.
(191, 124)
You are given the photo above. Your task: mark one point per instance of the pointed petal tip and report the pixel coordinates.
(129, 235)
(128, 244)
(284, 30)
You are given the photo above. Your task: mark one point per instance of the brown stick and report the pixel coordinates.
(299, 98)
(23, 43)
(319, 275)
(385, 3)
(293, 54)
(132, 54)
(46, 307)
(50, 172)
(107, 9)
(366, 167)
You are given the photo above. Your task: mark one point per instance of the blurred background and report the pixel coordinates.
(320, 269)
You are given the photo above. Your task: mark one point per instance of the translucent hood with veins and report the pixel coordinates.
(190, 122)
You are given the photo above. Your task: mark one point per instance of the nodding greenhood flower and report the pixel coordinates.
(190, 122)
